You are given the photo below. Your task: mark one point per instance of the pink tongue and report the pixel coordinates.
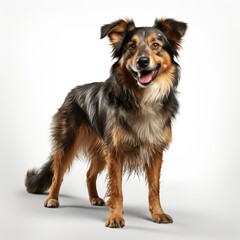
(146, 78)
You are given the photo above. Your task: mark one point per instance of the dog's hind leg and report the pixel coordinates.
(97, 165)
(61, 162)
(67, 136)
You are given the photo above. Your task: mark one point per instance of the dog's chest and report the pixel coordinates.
(146, 127)
(138, 137)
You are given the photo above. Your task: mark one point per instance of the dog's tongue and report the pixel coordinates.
(146, 78)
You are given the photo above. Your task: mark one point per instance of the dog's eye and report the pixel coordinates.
(132, 46)
(155, 46)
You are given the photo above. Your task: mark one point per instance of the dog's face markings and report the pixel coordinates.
(146, 52)
(144, 55)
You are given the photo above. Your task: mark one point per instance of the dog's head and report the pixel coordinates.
(146, 52)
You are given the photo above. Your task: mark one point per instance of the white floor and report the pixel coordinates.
(196, 215)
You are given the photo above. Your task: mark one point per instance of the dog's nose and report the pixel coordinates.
(143, 62)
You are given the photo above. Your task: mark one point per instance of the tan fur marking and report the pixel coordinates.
(115, 37)
(126, 78)
(136, 40)
(96, 167)
(168, 135)
(151, 38)
(130, 62)
(61, 162)
(166, 78)
(117, 135)
(153, 177)
(115, 202)
(116, 33)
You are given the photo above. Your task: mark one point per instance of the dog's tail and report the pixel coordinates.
(38, 181)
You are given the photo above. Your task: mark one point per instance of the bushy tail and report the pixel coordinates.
(38, 181)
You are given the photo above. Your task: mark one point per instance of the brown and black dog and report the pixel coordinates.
(122, 124)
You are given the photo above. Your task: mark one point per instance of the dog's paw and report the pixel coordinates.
(162, 218)
(97, 202)
(51, 203)
(115, 222)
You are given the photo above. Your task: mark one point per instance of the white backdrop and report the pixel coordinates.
(48, 47)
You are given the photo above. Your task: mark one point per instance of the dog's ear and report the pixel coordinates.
(173, 30)
(116, 32)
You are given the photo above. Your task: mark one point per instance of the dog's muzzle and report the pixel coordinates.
(144, 74)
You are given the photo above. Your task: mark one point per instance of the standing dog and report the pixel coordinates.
(124, 123)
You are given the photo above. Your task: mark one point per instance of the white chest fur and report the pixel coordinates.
(139, 135)
(147, 135)
(147, 126)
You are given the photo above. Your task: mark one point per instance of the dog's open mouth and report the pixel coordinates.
(145, 77)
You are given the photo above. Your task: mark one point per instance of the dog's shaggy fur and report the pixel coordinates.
(122, 124)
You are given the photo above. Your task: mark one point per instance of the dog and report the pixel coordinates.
(123, 124)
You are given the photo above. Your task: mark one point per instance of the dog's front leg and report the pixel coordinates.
(115, 203)
(153, 170)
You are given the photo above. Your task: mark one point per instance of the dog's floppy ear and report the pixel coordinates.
(173, 30)
(116, 32)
